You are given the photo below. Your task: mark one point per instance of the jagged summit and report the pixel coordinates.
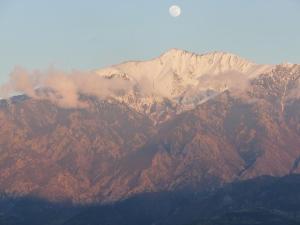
(217, 57)
(184, 63)
(180, 75)
(213, 62)
(180, 69)
(175, 52)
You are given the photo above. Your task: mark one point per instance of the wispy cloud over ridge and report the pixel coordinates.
(61, 87)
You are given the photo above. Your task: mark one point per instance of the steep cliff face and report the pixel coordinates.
(110, 149)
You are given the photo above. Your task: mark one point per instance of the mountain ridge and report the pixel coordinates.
(110, 150)
(183, 78)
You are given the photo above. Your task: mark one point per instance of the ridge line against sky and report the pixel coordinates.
(93, 34)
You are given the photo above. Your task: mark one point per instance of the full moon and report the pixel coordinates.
(175, 10)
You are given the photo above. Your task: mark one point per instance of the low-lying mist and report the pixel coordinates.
(64, 87)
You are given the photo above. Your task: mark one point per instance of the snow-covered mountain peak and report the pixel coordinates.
(289, 65)
(184, 78)
(209, 58)
(184, 63)
(176, 53)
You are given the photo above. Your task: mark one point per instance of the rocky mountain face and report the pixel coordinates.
(66, 153)
(206, 120)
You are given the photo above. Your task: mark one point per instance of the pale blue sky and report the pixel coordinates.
(88, 34)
